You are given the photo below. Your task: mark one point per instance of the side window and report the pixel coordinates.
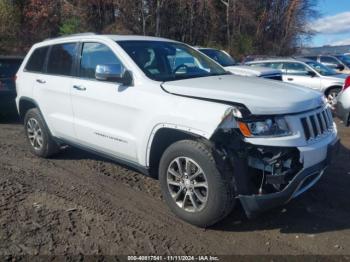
(37, 60)
(258, 65)
(94, 54)
(295, 69)
(328, 60)
(61, 59)
(274, 65)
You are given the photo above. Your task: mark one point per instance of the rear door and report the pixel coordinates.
(52, 89)
(298, 73)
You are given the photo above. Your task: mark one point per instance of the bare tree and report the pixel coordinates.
(241, 27)
(228, 34)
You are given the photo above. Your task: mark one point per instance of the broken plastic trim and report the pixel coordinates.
(254, 204)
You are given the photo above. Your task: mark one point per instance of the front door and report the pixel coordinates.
(104, 112)
(299, 74)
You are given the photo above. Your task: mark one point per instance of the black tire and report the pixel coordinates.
(49, 147)
(333, 91)
(220, 194)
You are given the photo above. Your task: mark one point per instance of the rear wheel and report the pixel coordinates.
(38, 136)
(192, 185)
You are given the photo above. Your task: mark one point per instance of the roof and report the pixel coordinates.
(253, 70)
(205, 48)
(136, 38)
(281, 59)
(113, 37)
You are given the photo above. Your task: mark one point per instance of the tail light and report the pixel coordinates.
(15, 80)
(347, 83)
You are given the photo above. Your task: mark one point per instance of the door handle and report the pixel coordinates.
(40, 81)
(290, 79)
(79, 88)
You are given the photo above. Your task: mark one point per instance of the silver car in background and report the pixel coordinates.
(307, 73)
(340, 63)
(225, 60)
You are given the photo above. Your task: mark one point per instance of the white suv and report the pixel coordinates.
(211, 138)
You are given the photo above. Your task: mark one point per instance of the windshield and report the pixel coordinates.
(345, 59)
(219, 56)
(169, 61)
(321, 69)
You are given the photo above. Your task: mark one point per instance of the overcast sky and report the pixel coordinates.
(333, 27)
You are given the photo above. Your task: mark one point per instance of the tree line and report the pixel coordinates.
(242, 27)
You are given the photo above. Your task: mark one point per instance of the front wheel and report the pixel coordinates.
(332, 95)
(192, 185)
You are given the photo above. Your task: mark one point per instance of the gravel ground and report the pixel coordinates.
(78, 203)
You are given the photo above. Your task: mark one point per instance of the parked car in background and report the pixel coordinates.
(251, 58)
(211, 138)
(224, 59)
(308, 73)
(343, 103)
(220, 56)
(9, 66)
(339, 63)
(345, 59)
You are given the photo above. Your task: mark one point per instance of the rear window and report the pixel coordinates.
(311, 57)
(61, 59)
(37, 60)
(9, 67)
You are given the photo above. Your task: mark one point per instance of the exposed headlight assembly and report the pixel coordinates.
(270, 127)
(229, 118)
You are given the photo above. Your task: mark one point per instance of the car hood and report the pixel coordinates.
(261, 97)
(251, 71)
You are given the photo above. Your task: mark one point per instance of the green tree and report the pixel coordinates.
(70, 26)
(9, 25)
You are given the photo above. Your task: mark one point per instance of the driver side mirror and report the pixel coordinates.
(311, 73)
(340, 67)
(113, 73)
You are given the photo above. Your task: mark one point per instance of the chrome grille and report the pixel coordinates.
(317, 123)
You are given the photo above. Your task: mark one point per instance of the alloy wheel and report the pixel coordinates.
(332, 98)
(187, 184)
(35, 134)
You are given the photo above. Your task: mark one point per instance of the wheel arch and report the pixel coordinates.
(25, 104)
(162, 138)
(330, 88)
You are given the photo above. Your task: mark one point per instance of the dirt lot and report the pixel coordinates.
(78, 203)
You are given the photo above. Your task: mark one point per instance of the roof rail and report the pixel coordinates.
(79, 34)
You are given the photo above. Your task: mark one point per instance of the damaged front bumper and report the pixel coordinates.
(302, 181)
